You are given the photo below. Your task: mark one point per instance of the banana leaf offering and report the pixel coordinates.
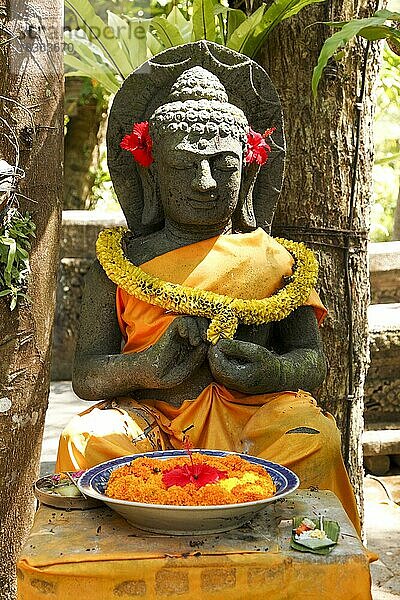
(317, 535)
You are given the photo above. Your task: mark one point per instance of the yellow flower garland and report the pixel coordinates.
(224, 312)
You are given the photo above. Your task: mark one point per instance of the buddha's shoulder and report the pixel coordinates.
(140, 250)
(96, 281)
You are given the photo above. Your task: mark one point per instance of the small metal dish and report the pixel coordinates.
(43, 489)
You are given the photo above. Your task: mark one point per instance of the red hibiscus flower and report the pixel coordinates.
(257, 148)
(199, 474)
(139, 143)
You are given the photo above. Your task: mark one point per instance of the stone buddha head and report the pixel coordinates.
(200, 101)
(199, 140)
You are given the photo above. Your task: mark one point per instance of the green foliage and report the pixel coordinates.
(15, 236)
(102, 195)
(252, 33)
(372, 28)
(109, 51)
(203, 20)
(386, 171)
(167, 33)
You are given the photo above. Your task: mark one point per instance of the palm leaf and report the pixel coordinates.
(275, 14)
(203, 20)
(132, 35)
(81, 68)
(167, 33)
(347, 32)
(184, 26)
(242, 36)
(97, 30)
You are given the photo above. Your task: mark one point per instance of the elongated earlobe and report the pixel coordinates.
(243, 218)
(153, 213)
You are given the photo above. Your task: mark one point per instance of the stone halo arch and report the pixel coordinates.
(248, 87)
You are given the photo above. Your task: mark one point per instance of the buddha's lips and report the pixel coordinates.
(199, 474)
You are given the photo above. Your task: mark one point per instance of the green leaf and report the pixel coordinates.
(13, 302)
(153, 44)
(387, 159)
(243, 35)
(347, 32)
(203, 20)
(132, 36)
(101, 34)
(254, 32)
(388, 15)
(235, 18)
(379, 33)
(331, 528)
(167, 33)
(184, 26)
(100, 72)
(291, 11)
(10, 259)
(5, 293)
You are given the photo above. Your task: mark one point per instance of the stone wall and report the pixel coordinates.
(80, 229)
(382, 390)
(384, 270)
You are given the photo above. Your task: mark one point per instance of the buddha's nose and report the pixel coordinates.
(204, 181)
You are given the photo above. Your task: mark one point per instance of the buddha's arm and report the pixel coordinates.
(251, 368)
(101, 371)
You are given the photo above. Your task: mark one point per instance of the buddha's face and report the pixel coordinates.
(200, 182)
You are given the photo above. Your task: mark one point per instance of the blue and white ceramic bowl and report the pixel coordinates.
(185, 520)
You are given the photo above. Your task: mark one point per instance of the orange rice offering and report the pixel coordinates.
(198, 480)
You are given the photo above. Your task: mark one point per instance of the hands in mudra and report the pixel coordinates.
(178, 353)
(243, 366)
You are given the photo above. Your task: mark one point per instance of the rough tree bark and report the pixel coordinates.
(321, 161)
(31, 72)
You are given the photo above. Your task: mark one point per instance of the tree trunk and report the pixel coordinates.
(317, 205)
(81, 143)
(31, 73)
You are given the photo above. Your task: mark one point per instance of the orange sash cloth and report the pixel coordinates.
(288, 428)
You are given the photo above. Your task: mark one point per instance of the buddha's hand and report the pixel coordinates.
(244, 366)
(178, 353)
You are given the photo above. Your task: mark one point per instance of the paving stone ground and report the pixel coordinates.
(382, 515)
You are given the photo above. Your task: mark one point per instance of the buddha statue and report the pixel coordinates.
(195, 317)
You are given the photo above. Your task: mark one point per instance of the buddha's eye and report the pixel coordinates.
(226, 163)
(179, 163)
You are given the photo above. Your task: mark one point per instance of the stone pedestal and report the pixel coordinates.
(96, 555)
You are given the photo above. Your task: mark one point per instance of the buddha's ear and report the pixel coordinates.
(152, 208)
(243, 218)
